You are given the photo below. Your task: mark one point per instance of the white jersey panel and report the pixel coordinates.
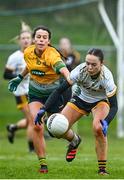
(93, 90)
(17, 63)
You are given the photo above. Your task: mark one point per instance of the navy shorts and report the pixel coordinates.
(83, 105)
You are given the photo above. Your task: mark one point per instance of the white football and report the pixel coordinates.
(57, 124)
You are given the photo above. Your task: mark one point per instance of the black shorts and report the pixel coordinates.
(57, 107)
(83, 105)
(67, 95)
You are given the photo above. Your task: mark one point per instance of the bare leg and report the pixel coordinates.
(99, 113)
(28, 117)
(12, 128)
(37, 130)
(72, 115)
(22, 124)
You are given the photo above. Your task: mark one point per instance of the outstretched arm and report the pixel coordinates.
(51, 101)
(64, 86)
(55, 95)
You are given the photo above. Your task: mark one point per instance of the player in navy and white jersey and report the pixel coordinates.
(96, 94)
(93, 88)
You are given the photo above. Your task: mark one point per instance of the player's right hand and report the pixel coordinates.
(13, 84)
(40, 114)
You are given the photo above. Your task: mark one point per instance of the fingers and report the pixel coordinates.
(38, 120)
(9, 87)
(104, 128)
(38, 123)
(12, 87)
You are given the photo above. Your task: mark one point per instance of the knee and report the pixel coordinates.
(35, 128)
(97, 129)
(38, 129)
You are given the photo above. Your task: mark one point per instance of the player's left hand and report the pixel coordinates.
(13, 84)
(104, 124)
(40, 114)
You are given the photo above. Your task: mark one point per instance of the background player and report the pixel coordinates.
(15, 65)
(72, 56)
(71, 59)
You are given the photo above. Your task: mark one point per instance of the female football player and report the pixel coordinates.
(45, 66)
(16, 64)
(96, 93)
(71, 59)
(72, 56)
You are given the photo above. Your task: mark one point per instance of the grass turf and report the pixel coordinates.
(17, 163)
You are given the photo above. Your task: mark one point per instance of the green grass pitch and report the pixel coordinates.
(17, 163)
(15, 160)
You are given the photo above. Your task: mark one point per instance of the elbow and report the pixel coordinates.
(8, 75)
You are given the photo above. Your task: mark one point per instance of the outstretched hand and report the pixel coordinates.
(13, 84)
(38, 118)
(104, 124)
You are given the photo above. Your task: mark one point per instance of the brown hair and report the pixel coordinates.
(43, 28)
(97, 52)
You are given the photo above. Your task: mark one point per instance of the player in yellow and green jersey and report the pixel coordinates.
(46, 67)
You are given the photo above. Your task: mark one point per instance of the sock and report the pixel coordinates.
(75, 140)
(30, 145)
(13, 127)
(42, 161)
(102, 164)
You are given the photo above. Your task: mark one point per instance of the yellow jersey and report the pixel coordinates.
(44, 69)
